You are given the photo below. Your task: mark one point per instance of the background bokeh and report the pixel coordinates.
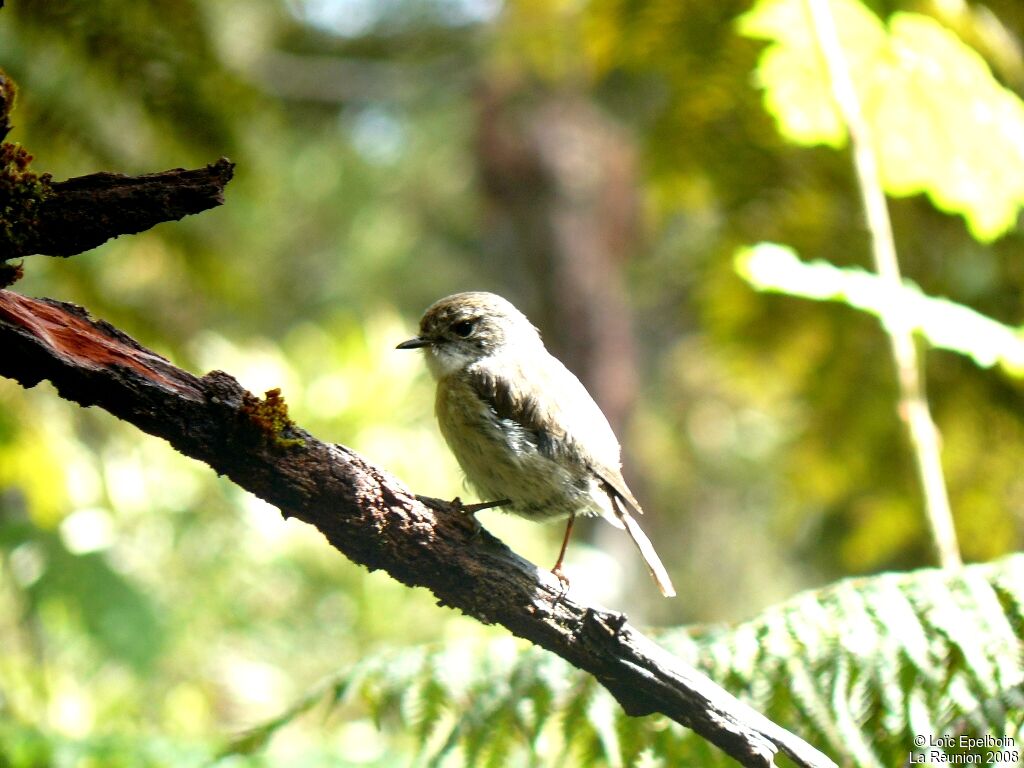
(597, 163)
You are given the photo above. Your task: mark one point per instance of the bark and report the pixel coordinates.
(86, 211)
(370, 516)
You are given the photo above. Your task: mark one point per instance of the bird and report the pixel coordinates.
(525, 431)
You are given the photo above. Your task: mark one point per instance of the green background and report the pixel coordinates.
(596, 163)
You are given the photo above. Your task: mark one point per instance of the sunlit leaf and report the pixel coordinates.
(941, 123)
(943, 323)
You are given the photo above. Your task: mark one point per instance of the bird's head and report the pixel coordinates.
(461, 329)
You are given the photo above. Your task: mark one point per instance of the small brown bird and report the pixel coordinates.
(523, 428)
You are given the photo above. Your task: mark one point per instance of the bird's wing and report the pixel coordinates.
(520, 404)
(550, 402)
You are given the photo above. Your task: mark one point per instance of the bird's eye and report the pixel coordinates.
(462, 328)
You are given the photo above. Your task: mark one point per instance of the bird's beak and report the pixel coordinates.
(415, 343)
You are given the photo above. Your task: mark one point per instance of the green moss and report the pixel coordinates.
(270, 416)
(22, 192)
(8, 97)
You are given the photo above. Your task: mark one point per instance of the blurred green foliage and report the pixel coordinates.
(150, 612)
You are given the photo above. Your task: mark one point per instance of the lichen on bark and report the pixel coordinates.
(22, 190)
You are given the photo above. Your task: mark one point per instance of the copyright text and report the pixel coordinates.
(971, 750)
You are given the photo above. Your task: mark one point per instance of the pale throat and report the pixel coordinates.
(443, 361)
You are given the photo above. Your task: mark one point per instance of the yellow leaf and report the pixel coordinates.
(941, 124)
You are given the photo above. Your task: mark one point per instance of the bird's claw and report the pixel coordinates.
(480, 506)
(562, 578)
(470, 510)
(466, 512)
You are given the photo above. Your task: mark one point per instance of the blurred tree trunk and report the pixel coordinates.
(561, 180)
(562, 184)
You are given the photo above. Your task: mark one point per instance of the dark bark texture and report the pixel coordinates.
(86, 211)
(370, 516)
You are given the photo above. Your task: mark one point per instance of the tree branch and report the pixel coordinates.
(370, 516)
(84, 212)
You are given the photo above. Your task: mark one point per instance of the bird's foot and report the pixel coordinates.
(562, 578)
(440, 505)
(467, 511)
(472, 509)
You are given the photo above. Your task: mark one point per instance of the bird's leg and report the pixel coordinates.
(557, 570)
(472, 509)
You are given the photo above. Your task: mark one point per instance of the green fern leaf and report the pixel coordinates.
(858, 668)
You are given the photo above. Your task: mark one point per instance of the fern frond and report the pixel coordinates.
(858, 668)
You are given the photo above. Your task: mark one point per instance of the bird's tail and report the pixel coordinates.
(647, 552)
